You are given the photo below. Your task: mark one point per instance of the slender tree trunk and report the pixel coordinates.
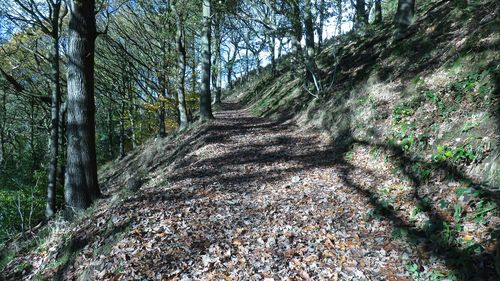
(81, 185)
(309, 28)
(339, 16)
(34, 151)
(280, 48)
(205, 100)
(62, 143)
(367, 11)
(2, 129)
(162, 132)
(257, 61)
(162, 81)
(229, 76)
(296, 37)
(404, 16)
(110, 130)
(217, 63)
(321, 25)
(181, 61)
(122, 130)
(272, 47)
(219, 88)
(360, 17)
(193, 68)
(132, 123)
(50, 209)
(247, 64)
(378, 12)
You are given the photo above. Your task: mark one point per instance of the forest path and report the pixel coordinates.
(252, 199)
(257, 199)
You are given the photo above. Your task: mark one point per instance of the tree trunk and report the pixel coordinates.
(193, 68)
(360, 17)
(132, 126)
(2, 129)
(50, 209)
(404, 16)
(217, 63)
(33, 147)
(321, 25)
(81, 185)
(181, 61)
(308, 23)
(229, 76)
(280, 48)
(272, 47)
(205, 100)
(110, 130)
(296, 37)
(162, 132)
(62, 142)
(122, 131)
(378, 12)
(339, 17)
(257, 61)
(247, 65)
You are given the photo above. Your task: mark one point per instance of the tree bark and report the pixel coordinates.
(50, 209)
(122, 130)
(378, 12)
(339, 16)
(321, 25)
(360, 17)
(62, 142)
(2, 128)
(110, 130)
(181, 62)
(217, 59)
(404, 16)
(81, 184)
(205, 100)
(272, 51)
(296, 37)
(309, 28)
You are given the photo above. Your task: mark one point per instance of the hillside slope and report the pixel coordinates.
(390, 174)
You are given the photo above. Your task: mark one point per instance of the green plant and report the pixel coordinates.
(375, 151)
(468, 126)
(483, 207)
(457, 212)
(443, 204)
(399, 233)
(402, 111)
(464, 153)
(413, 269)
(423, 171)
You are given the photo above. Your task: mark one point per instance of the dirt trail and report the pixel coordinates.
(257, 200)
(253, 199)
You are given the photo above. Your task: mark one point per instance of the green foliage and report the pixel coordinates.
(469, 126)
(422, 170)
(401, 112)
(463, 153)
(22, 205)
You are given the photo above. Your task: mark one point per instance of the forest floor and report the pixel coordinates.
(257, 200)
